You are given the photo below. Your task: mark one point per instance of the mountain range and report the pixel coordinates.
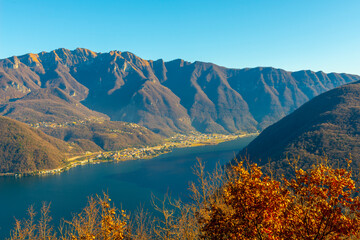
(326, 127)
(166, 97)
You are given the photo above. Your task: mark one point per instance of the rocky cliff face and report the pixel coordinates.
(167, 97)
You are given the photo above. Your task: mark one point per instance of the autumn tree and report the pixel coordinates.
(31, 228)
(252, 207)
(320, 203)
(325, 204)
(98, 220)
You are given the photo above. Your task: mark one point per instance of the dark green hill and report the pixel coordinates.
(23, 149)
(328, 125)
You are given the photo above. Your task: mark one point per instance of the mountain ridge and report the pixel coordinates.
(326, 127)
(167, 97)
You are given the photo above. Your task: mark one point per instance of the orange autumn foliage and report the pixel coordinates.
(324, 206)
(253, 207)
(320, 203)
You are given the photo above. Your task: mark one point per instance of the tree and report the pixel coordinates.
(325, 205)
(240, 203)
(98, 220)
(253, 207)
(320, 203)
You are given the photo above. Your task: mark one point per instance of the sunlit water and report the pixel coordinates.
(129, 184)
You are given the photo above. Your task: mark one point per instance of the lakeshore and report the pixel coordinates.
(129, 183)
(177, 141)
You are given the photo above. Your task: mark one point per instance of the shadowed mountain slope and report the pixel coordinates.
(328, 125)
(47, 105)
(24, 149)
(167, 97)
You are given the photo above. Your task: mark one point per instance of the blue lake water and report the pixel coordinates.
(129, 183)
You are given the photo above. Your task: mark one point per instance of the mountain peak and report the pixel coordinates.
(85, 52)
(178, 62)
(114, 52)
(171, 96)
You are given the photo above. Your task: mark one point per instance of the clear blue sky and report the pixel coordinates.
(289, 34)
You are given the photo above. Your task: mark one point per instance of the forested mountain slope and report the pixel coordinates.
(327, 126)
(166, 97)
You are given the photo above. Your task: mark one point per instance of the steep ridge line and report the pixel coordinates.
(166, 97)
(326, 127)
